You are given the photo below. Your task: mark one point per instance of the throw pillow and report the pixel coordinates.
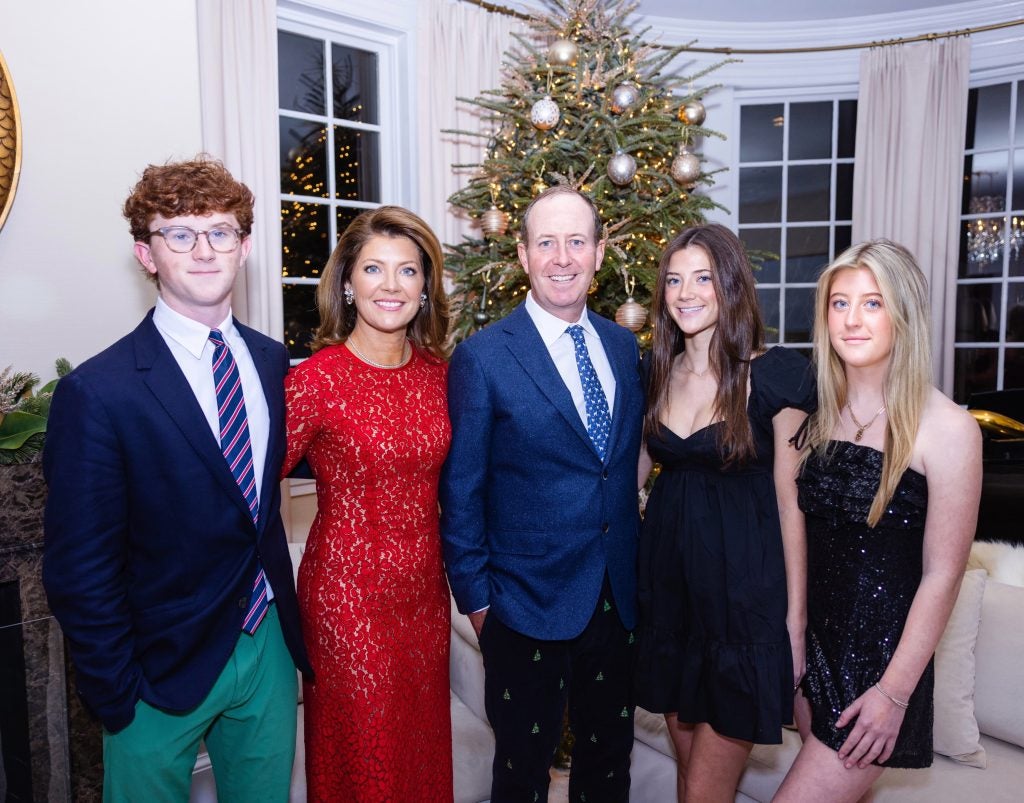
(956, 730)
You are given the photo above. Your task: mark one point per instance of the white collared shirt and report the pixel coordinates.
(189, 342)
(563, 353)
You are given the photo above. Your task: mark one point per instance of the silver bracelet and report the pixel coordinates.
(891, 699)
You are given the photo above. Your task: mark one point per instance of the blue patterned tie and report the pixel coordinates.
(234, 442)
(599, 421)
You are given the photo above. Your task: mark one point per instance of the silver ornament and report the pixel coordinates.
(625, 97)
(481, 318)
(562, 51)
(545, 113)
(621, 168)
(631, 315)
(685, 167)
(692, 112)
(494, 222)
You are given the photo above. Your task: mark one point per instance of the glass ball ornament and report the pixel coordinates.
(692, 112)
(563, 51)
(631, 315)
(685, 167)
(545, 114)
(494, 222)
(481, 317)
(624, 97)
(621, 168)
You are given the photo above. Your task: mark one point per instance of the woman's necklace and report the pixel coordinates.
(861, 427)
(406, 354)
(692, 371)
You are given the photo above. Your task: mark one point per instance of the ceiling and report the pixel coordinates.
(778, 11)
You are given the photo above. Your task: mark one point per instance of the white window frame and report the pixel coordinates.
(319, 21)
(1004, 281)
(783, 224)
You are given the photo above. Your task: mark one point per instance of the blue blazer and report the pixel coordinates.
(531, 517)
(150, 550)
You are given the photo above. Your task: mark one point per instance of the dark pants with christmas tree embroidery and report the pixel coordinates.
(528, 683)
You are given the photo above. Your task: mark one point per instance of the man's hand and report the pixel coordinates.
(477, 620)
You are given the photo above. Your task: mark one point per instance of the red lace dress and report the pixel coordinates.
(372, 592)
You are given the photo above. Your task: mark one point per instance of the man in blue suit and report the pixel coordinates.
(165, 558)
(539, 513)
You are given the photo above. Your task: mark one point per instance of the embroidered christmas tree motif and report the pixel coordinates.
(561, 683)
(625, 713)
(593, 738)
(535, 729)
(508, 763)
(607, 606)
(600, 676)
(506, 695)
(536, 656)
(630, 637)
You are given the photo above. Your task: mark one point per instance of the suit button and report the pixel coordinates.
(604, 474)
(604, 527)
(243, 602)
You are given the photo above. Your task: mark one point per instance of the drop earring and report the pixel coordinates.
(350, 297)
(423, 300)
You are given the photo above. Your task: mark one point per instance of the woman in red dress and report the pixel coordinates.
(368, 412)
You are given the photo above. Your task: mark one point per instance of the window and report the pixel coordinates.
(989, 340)
(338, 153)
(795, 202)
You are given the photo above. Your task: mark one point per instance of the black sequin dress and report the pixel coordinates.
(713, 644)
(860, 584)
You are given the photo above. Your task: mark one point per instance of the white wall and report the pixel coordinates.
(105, 88)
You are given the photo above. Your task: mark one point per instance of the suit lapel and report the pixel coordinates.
(273, 391)
(168, 384)
(528, 348)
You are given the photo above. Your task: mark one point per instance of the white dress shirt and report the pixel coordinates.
(563, 352)
(189, 342)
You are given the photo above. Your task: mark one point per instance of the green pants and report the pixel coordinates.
(247, 721)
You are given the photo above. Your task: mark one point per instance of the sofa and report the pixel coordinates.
(979, 709)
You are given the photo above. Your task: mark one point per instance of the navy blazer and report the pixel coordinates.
(150, 549)
(531, 517)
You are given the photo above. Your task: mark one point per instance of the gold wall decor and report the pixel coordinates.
(10, 141)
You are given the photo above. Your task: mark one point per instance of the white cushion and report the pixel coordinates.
(999, 695)
(956, 730)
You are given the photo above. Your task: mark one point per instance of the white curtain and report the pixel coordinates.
(238, 78)
(911, 116)
(460, 54)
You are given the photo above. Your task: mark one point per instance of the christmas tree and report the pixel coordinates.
(585, 101)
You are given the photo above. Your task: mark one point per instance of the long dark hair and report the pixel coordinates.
(429, 329)
(738, 334)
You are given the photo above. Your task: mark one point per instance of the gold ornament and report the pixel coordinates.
(494, 222)
(538, 186)
(621, 168)
(685, 167)
(545, 113)
(692, 112)
(562, 51)
(624, 97)
(631, 315)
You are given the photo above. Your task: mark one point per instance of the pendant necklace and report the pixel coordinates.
(861, 427)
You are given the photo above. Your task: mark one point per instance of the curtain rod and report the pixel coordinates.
(735, 51)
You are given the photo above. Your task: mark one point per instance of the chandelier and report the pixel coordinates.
(986, 238)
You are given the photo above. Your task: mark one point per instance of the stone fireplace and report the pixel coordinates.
(51, 749)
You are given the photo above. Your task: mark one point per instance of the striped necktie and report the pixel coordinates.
(599, 420)
(234, 442)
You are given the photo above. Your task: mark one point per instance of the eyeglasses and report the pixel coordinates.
(182, 239)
